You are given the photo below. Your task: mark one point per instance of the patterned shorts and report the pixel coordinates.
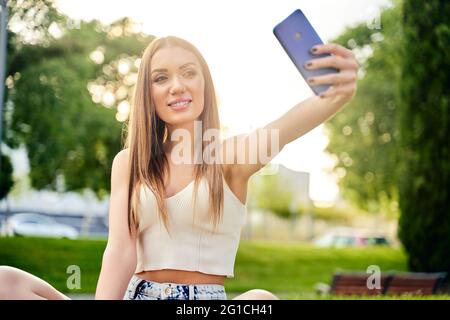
(140, 289)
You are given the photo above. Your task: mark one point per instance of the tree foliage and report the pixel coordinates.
(424, 227)
(6, 181)
(65, 82)
(364, 136)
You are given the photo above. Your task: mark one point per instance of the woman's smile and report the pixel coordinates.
(180, 105)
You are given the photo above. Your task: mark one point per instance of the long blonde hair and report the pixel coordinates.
(146, 133)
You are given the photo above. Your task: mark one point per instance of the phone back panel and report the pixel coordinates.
(297, 37)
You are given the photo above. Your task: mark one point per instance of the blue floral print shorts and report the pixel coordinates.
(140, 289)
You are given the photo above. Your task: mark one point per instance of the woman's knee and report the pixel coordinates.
(257, 294)
(264, 294)
(10, 279)
(21, 285)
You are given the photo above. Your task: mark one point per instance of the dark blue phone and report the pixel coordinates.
(297, 37)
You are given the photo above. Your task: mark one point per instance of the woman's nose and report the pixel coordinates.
(177, 85)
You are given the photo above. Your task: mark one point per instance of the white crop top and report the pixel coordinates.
(192, 245)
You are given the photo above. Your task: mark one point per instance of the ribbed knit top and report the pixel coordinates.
(192, 243)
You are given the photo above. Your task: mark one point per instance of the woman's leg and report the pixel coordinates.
(16, 284)
(256, 294)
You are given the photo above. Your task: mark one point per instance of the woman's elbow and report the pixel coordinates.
(121, 260)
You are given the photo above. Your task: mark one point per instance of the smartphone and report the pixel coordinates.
(297, 37)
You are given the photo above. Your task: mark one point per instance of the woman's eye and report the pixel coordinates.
(188, 74)
(158, 79)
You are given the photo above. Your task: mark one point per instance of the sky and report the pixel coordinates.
(255, 80)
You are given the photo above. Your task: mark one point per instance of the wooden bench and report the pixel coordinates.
(356, 284)
(415, 283)
(390, 283)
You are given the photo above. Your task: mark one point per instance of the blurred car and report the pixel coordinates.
(351, 238)
(34, 224)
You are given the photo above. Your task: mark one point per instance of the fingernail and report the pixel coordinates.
(309, 64)
(322, 96)
(310, 80)
(314, 49)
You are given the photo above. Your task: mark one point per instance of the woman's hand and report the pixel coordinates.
(342, 83)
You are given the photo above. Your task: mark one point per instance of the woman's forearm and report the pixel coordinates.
(118, 267)
(305, 116)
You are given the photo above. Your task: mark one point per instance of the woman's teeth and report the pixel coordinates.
(179, 104)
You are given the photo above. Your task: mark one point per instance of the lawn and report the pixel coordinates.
(289, 270)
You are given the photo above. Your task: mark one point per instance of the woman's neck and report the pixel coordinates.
(181, 142)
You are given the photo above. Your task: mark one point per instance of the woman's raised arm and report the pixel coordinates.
(304, 116)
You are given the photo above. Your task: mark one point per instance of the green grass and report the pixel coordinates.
(289, 270)
(50, 258)
(297, 268)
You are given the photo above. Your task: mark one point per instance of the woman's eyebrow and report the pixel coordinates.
(181, 67)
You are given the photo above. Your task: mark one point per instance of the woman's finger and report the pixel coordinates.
(333, 48)
(333, 61)
(347, 89)
(345, 76)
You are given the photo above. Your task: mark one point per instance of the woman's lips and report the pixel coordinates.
(180, 106)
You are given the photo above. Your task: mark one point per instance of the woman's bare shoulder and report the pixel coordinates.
(120, 166)
(233, 162)
(120, 161)
(122, 155)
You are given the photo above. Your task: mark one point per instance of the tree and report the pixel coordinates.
(364, 136)
(424, 225)
(6, 181)
(68, 92)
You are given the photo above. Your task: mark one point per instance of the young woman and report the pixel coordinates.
(174, 226)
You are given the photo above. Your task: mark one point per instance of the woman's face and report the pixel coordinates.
(177, 85)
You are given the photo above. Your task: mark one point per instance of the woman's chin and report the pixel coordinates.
(181, 117)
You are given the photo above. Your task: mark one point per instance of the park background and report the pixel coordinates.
(382, 164)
